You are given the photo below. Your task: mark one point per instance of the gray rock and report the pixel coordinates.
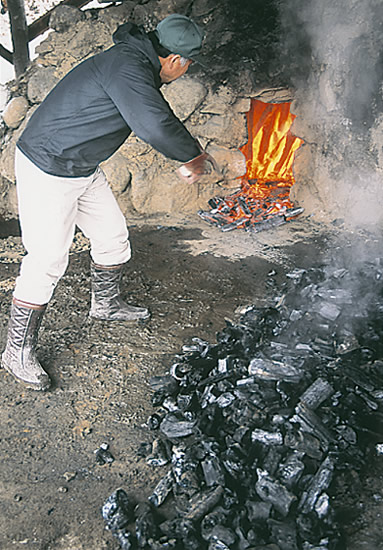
(219, 102)
(117, 172)
(184, 96)
(40, 84)
(231, 162)
(64, 17)
(15, 112)
(229, 129)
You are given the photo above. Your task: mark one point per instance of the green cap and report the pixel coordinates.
(179, 34)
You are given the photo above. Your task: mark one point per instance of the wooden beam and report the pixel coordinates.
(6, 54)
(19, 32)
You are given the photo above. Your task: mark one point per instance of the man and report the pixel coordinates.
(82, 122)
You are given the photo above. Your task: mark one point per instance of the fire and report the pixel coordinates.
(263, 201)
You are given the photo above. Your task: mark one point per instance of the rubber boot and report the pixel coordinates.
(107, 303)
(19, 357)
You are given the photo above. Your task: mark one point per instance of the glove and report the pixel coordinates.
(192, 171)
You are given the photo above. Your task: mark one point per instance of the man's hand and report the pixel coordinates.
(193, 170)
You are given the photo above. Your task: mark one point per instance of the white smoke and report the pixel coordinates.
(334, 52)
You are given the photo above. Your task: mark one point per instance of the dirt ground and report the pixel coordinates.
(192, 277)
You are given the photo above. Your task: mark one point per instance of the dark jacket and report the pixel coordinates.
(94, 108)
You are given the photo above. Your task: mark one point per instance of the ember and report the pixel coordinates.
(263, 201)
(256, 429)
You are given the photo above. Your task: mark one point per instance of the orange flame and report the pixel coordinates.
(271, 146)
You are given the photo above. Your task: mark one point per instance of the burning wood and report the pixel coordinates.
(263, 201)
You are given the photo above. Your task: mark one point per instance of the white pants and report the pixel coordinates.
(50, 207)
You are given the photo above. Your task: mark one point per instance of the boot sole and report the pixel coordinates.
(29, 385)
(142, 318)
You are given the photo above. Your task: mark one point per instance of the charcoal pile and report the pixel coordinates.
(252, 211)
(252, 431)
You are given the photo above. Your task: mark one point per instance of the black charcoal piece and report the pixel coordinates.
(322, 505)
(345, 343)
(271, 459)
(158, 456)
(162, 489)
(266, 438)
(212, 471)
(233, 464)
(103, 455)
(117, 510)
(274, 221)
(184, 400)
(303, 347)
(318, 392)
(208, 396)
(295, 315)
(190, 348)
(225, 400)
(318, 484)
(174, 426)
(312, 424)
(187, 532)
(336, 295)
(258, 511)
(216, 544)
(125, 539)
(165, 383)
(201, 504)
(222, 365)
(146, 528)
(180, 370)
(303, 442)
(296, 274)
(179, 461)
(188, 484)
(284, 534)
(323, 544)
(291, 469)
(346, 434)
(163, 544)
(264, 369)
(210, 521)
(117, 513)
(169, 527)
(361, 378)
(170, 404)
(156, 418)
(328, 310)
(271, 490)
(240, 433)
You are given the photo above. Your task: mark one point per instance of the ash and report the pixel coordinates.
(256, 429)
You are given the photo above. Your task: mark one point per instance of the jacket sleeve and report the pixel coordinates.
(133, 90)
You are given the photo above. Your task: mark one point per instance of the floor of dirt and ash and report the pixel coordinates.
(192, 277)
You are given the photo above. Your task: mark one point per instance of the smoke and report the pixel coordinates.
(333, 53)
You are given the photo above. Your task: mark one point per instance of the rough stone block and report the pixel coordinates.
(15, 112)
